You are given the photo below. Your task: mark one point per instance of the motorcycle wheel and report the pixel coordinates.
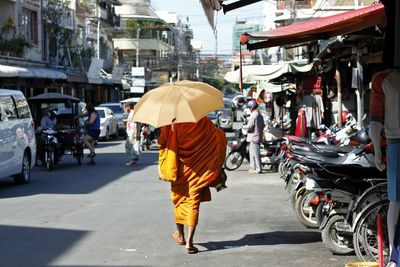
(233, 160)
(292, 182)
(281, 168)
(305, 212)
(334, 241)
(49, 161)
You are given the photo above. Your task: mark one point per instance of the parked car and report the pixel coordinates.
(119, 114)
(225, 119)
(108, 123)
(17, 137)
(213, 117)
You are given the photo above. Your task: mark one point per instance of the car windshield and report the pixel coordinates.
(117, 109)
(101, 112)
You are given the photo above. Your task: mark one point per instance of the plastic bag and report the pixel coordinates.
(137, 151)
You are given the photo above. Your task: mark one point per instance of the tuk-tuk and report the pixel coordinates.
(66, 138)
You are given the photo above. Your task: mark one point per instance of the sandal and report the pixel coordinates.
(192, 250)
(177, 240)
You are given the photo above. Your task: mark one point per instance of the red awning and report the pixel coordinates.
(320, 28)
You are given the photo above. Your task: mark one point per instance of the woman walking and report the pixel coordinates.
(132, 135)
(93, 131)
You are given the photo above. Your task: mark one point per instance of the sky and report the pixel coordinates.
(202, 30)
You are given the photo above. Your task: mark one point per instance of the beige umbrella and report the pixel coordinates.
(183, 101)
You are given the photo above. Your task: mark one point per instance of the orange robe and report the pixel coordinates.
(192, 155)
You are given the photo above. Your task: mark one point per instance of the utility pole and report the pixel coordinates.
(98, 30)
(137, 43)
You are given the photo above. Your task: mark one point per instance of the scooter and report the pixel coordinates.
(51, 148)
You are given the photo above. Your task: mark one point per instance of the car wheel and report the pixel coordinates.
(24, 176)
(107, 135)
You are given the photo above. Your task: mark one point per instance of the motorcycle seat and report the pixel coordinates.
(297, 139)
(339, 149)
(316, 155)
(352, 171)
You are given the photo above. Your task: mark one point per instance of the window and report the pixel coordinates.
(8, 108)
(23, 108)
(101, 113)
(29, 23)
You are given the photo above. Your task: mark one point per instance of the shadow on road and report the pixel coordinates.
(266, 239)
(70, 178)
(40, 247)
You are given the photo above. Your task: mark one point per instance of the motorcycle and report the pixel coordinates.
(239, 150)
(51, 148)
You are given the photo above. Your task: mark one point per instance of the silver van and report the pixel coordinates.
(17, 137)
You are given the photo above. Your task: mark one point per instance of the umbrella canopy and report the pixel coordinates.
(54, 98)
(184, 101)
(131, 100)
(254, 73)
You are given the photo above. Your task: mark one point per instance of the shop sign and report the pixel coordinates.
(91, 31)
(137, 89)
(138, 71)
(138, 82)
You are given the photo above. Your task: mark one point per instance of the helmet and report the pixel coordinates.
(251, 104)
(362, 137)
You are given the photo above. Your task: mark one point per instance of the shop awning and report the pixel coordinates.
(254, 73)
(320, 28)
(39, 73)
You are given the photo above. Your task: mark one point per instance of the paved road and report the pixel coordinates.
(114, 215)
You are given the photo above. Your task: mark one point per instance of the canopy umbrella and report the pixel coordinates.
(183, 101)
(131, 100)
(254, 73)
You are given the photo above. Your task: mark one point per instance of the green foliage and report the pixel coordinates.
(54, 13)
(14, 46)
(85, 4)
(145, 25)
(81, 57)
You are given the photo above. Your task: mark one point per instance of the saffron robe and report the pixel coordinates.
(191, 156)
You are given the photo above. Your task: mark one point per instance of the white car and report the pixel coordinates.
(17, 137)
(108, 123)
(119, 113)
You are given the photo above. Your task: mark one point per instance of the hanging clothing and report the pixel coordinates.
(301, 124)
(318, 109)
(309, 102)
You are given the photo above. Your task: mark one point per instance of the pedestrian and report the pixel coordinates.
(132, 135)
(92, 131)
(191, 157)
(384, 113)
(255, 131)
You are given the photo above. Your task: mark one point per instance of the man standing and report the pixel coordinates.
(384, 112)
(255, 128)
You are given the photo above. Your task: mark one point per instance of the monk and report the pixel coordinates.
(191, 158)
